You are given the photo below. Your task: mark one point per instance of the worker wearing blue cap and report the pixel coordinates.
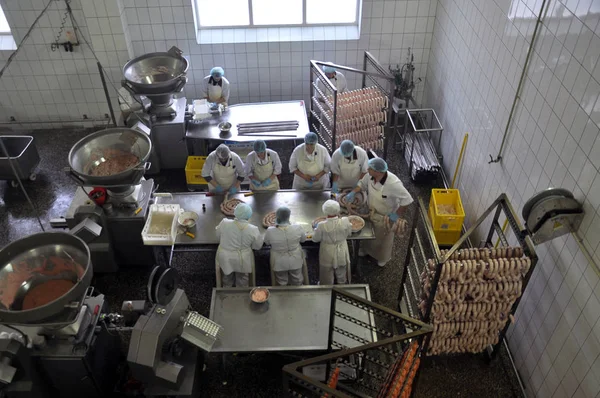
(336, 78)
(263, 167)
(348, 166)
(310, 164)
(214, 87)
(387, 197)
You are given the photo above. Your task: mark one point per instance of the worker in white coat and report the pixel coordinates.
(287, 257)
(224, 170)
(336, 78)
(214, 87)
(386, 196)
(263, 168)
(310, 164)
(348, 166)
(237, 239)
(334, 257)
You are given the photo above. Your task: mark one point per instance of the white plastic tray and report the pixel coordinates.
(161, 225)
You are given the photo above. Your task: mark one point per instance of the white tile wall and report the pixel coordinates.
(477, 55)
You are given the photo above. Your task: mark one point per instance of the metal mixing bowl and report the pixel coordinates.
(225, 127)
(158, 72)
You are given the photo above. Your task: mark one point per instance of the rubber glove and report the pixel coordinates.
(219, 189)
(350, 196)
(393, 217)
(256, 183)
(310, 184)
(313, 178)
(266, 182)
(334, 187)
(233, 190)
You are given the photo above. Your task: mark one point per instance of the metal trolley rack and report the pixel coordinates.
(366, 366)
(423, 247)
(373, 74)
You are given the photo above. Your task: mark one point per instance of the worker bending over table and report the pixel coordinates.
(386, 196)
(287, 257)
(223, 170)
(334, 257)
(263, 168)
(237, 239)
(310, 164)
(214, 87)
(348, 166)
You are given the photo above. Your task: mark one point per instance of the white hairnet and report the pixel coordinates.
(347, 148)
(242, 211)
(331, 208)
(282, 215)
(378, 164)
(311, 138)
(223, 151)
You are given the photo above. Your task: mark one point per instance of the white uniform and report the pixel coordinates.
(384, 199)
(224, 175)
(235, 257)
(287, 257)
(218, 92)
(310, 164)
(338, 81)
(349, 170)
(261, 169)
(334, 256)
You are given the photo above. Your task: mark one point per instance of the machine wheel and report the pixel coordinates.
(32, 177)
(14, 183)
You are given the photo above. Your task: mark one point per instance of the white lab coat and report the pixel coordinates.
(224, 175)
(286, 252)
(310, 164)
(349, 170)
(237, 239)
(262, 169)
(215, 93)
(332, 233)
(383, 199)
(338, 81)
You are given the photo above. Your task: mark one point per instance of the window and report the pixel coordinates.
(276, 13)
(6, 39)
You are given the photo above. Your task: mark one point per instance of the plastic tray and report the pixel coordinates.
(446, 222)
(163, 217)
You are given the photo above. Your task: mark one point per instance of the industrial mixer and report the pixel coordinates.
(154, 79)
(109, 208)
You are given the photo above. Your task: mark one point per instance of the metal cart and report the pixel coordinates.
(18, 157)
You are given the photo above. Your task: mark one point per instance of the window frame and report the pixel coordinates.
(251, 25)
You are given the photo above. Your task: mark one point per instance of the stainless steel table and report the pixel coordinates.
(296, 318)
(208, 129)
(305, 207)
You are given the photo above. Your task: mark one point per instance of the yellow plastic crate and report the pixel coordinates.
(446, 237)
(193, 170)
(446, 222)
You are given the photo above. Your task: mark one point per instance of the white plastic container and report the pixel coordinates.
(161, 225)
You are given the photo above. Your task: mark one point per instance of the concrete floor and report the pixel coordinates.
(252, 375)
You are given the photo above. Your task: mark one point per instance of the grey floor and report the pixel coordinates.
(252, 375)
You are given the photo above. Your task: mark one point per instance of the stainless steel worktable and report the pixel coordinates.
(305, 207)
(296, 318)
(207, 129)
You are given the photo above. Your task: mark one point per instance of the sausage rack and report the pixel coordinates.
(424, 255)
(366, 367)
(325, 105)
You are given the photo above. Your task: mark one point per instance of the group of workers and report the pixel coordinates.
(311, 165)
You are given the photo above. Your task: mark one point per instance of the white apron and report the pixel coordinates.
(223, 175)
(333, 255)
(294, 258)
(310, 167)
(215, 92)
(349, 173)
(380, 248)
(262, 172)
(233, 260)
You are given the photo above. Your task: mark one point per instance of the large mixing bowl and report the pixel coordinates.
(98, 148)
(41, 276)
(156, 73)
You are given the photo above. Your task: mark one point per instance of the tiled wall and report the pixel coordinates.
(477, 55)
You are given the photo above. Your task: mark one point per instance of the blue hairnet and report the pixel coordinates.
(223, 151)
(282, 215)
(378, 164)
(331, 208)
(347, 148)
(328, 69)
(242, 211)
(260, 146)
(311, 138)
(217, 71)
